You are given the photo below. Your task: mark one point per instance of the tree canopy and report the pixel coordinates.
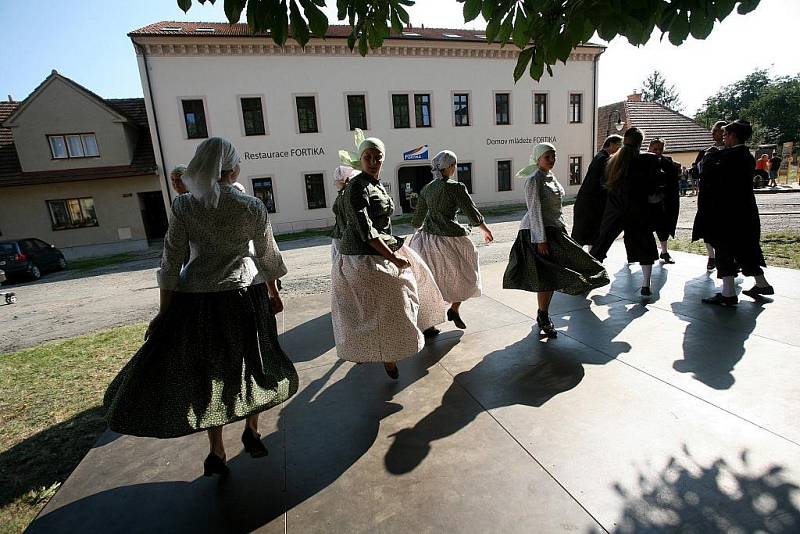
(544, 31)
(771, 105)
(655, 89)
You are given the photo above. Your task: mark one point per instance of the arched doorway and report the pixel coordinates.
(411, 179)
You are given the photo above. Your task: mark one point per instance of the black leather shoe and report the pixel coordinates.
(666, 258)
(755, 291)
(712, 264)
(252, 443)
(214, 465)
(546, 326)
(393, 372)
(453, 315)
(432, 331)
(645, 291)
(719, 300)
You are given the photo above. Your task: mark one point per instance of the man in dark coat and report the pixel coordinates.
(698, 229)
(731, 221)
(665, 204)
(591, 200)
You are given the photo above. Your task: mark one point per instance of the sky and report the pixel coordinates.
(87, 41)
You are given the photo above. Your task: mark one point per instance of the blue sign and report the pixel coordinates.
(421, 152)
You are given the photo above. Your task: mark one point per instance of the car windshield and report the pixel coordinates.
(8, 248)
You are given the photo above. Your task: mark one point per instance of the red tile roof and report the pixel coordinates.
(679, 132)
(335, 31)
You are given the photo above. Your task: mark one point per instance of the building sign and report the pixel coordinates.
(421, 152)
(299, 152)
(522, 140)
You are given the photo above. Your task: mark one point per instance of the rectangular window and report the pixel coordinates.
(575, 107)
(504, 175)
(575, 170)
(400, 111)
(72, 213)
(357, 111)
(540, 108)
(315, 191)
(464, 175)
(253, 116)
(502, 106)
(194, 115)
(262, 188)
(73, 146)
(422, 110)
(461, 109)
(307, 114)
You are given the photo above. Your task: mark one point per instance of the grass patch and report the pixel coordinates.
(317, 232)
(90, 264)
(51, 414)
(781, 249)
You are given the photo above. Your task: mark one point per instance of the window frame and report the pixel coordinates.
(414, 96)
(471, 186)
(182, 114)
(315, 96)
(64, 202)
(347, 96)
(580, 168)
(494, 106)
(304, 175)
(243, 123)
(81, 136)
(580, 107)
(271, 178)
(406, 94)
(546, 107)
(468, 94)
(497, 175)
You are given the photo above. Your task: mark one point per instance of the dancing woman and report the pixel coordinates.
(211, 355)
(544, 259)
(631, 178)
(442, 242)
(384, 299)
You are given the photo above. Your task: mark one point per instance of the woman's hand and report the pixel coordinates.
(275, 304)
(543, 248)
(487, 235)
(153, 325)
(401, 263)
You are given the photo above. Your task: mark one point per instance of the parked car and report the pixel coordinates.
(29, 258)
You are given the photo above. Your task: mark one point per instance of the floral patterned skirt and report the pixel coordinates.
(453, 262)
(212, 360)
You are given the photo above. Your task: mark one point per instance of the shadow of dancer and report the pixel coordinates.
(509, 376)
(714, 343)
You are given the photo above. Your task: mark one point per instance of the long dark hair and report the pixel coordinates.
(619, 163)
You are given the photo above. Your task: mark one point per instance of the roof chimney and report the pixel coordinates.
(635, 97)
(10, 98)
(408, 25)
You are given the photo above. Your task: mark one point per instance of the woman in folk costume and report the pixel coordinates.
(631, 177)
(211, 355)
(732, 224)
(442, 242)
(544, 259)
(341, 177)
(384, 299)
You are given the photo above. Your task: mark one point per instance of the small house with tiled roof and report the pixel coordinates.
(683, 137)
(78, 171)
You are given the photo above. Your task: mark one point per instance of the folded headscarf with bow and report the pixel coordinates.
(353, 159)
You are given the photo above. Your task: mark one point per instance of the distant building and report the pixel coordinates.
(289, 110)
(78, 171)
(683, 136)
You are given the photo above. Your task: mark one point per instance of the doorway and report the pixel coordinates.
(154, 215)
(411, 179)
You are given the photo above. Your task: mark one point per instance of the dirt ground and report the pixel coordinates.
(67, 304)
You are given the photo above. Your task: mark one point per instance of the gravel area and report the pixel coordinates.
(67, 304)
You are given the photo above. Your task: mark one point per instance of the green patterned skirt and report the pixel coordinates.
(212, 360)
(567, 269)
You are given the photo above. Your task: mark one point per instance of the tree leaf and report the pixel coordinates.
(317, 21)
(520, 34)
(679, 29)
(403, 14)
(537, 67)
(522, 63)
(723, 8)
(363, 45)
(298, 24)
(397, 24)
(280, 24)
(488, 9)
(233, 10)
(472, 8)
(746, 6)
(492, 28)
(505, 29)
(184, 5)
(700, 24)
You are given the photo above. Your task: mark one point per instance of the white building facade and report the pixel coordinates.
(289, 111)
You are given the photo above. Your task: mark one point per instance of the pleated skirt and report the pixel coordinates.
(453, 261)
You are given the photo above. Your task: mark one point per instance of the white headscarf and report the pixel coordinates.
(442, 161)
(213, 156)
(353, 159)
(533, 164)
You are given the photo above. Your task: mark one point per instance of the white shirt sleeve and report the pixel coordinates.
(534, 202)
